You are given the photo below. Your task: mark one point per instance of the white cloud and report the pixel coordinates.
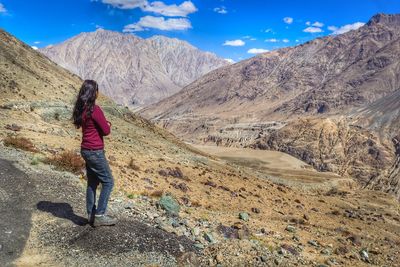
(312, 29)
(234, 43)
(37, 42)
(174, 10)
(230, 60)
(345, 28)
(288, 20)
(249, 38)
(272, 40)
(35, 47)
(308, 23)
(332, 28)
(126, 4)
(220, 10)
(269, 30)
(160, 23)
(2, 8)
(157, 7)
(257, 51)
(318, 24)
(297, 40)
(285, 40)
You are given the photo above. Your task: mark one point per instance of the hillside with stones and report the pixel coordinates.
(131, 70)
(175, 204)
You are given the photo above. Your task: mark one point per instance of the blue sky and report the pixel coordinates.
(234, 29)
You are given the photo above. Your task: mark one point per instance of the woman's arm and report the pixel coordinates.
(101, 121)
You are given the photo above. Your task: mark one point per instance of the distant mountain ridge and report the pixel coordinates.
(131, 70)
(322, 76)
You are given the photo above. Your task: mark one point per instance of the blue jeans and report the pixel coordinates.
(97, 171)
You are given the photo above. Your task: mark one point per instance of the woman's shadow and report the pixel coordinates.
(61, 210)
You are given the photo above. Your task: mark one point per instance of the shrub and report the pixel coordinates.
(196, 204)
(177, 173)
(35, 159)
(67, 161)
(20, 143)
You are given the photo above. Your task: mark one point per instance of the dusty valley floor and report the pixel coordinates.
(276, 166)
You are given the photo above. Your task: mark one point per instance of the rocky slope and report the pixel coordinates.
(176, 205)
(131, 70)
(383, 117)
(343, 87)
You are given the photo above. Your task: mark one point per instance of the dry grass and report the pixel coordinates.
(67, 161)
(157, 193)
(196, 204)
(20, 143)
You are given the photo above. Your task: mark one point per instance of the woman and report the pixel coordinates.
(94, 125)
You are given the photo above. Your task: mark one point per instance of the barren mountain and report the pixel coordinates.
(319, 86)
(132, 70)
(183, 62)
(325, 75)
(176, 205)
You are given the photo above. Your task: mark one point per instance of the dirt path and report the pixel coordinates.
(16, 198)
(42, 223)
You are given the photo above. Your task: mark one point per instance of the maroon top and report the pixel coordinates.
(94, 128)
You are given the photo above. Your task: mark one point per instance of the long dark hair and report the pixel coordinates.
(86, 98)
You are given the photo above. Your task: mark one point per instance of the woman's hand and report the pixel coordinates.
(109, 123)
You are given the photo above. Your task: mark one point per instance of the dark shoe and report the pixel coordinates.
(90, 219)
(103, 220)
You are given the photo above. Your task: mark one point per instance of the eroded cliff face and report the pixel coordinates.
(389, 180)
(383, 118)
(331, 145)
